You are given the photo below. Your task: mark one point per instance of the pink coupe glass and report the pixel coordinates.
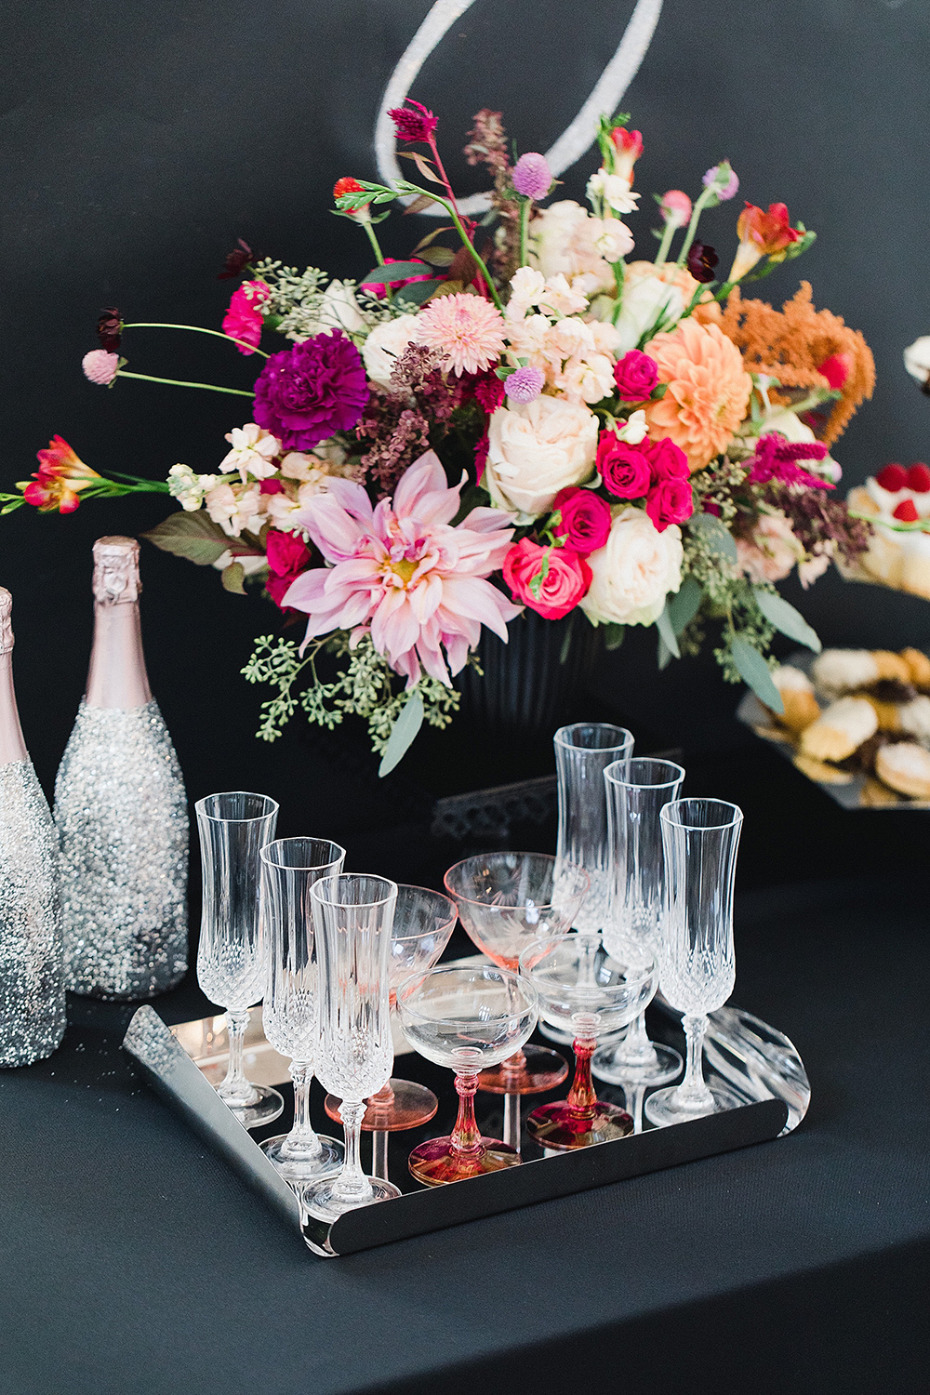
(506, 901)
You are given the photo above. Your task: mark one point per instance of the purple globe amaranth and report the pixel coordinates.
(305, 394)
(524, 385)
(531, 176)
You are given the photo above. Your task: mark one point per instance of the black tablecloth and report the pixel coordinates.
(133, 1262)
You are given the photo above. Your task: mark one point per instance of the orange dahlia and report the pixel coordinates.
(708, 390)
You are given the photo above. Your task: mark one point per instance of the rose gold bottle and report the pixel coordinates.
(32, 989)
(121, 809)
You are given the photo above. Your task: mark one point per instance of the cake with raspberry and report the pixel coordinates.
(897, 503)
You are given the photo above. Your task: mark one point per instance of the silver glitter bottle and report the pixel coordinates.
(32, 984)
(121, 809)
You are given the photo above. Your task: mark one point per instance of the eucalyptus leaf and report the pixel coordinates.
(685, 604)
(416, 293)
(390, 272)
(667, 635)
(402, 734)
(715, 534)
(191, 535)
(664, 656)
(233, 578)
(753, 669)
(786, 619)
(613, 636)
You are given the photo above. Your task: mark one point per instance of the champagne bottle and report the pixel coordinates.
(121, 809)
(32, 984)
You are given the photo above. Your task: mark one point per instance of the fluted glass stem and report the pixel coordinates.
(693, 1092)
(302, 1141)
(636, 1049)
(466, 1136)
(352, 1184)
(236, 1089)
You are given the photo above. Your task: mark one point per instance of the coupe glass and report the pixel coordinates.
(594, 991)
(698, 970)
(231, 958)
(290, 866)
(583, 752)
(636, 791)
(423, 925)
(505, 902)
(352, 918)
(464, 1019)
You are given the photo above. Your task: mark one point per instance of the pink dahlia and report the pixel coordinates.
(469, 330)
(403, 573)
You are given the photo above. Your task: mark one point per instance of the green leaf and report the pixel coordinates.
(416, 293)
(667, 634)
(717, 537)
(439, 256)
(685, 604)
(402, 733)
(753, 669)
(11, 507)
(613, 635)
(233, 578)
(389, 272)
(191, 535)
(664, 656)
(786, 619)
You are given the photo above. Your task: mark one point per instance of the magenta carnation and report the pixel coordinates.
(524, 385)
(305, 394)
(531, 176)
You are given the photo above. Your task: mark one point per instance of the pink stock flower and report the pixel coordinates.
(550, 580)
(469, 330)
(100, 367)
(243, 320)
(402, 572)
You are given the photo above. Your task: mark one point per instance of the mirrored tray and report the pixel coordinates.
(850, 789)
(755, 1060)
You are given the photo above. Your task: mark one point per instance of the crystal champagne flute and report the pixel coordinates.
(636, 791)
(700, 838)
(353, 915)
(290, 866)
(231, 958)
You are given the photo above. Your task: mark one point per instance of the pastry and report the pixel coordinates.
(891, 666)
(905, 767)
(797, 695)
(821, 772)
(837, 732)
(875, 795)
(914, 718)
(918, 667)
(838, 671)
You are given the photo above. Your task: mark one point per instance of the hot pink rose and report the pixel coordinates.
(585, 519)
(624, 469)
(567, 578)
(243, 320)
(636, 374)
(670, 501)
(288, 555)
(667, 461)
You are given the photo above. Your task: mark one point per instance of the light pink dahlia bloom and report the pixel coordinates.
(402, 573)
(469, 331)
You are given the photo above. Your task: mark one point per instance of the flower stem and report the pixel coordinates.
(698, 209)
(178, 382)
(376, 248)
(667, 234)
(524, 230)
(199, 329)
(467, 242)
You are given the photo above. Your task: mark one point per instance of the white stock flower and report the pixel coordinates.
(613, 240)
(634, 571)
(563, 243)
(614, 190)
(536, 449)
(253, 452)
(385, 345)
(634, 429)
(605, 336)
(249, 562)
(187, 487)
(234, 507)
(526, 286)
(588, 379)
(560, 298)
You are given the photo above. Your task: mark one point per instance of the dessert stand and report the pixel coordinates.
(754, 1059)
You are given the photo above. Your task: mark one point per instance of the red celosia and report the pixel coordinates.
(413, 122)
(776, 459)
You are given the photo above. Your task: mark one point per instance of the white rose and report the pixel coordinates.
(535, 449)
(645, 301)
(385, 345)
(917, 359)
(564, 244)
(634, 571)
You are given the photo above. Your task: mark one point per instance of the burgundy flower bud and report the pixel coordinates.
(109, 329)
(236, 261)
(702, 259)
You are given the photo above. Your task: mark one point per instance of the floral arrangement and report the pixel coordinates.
(531, 417)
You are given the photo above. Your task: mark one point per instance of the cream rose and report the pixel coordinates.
(634, 571)
(536, 449)
(384, 346)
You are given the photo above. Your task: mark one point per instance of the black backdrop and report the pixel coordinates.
(139, 140)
